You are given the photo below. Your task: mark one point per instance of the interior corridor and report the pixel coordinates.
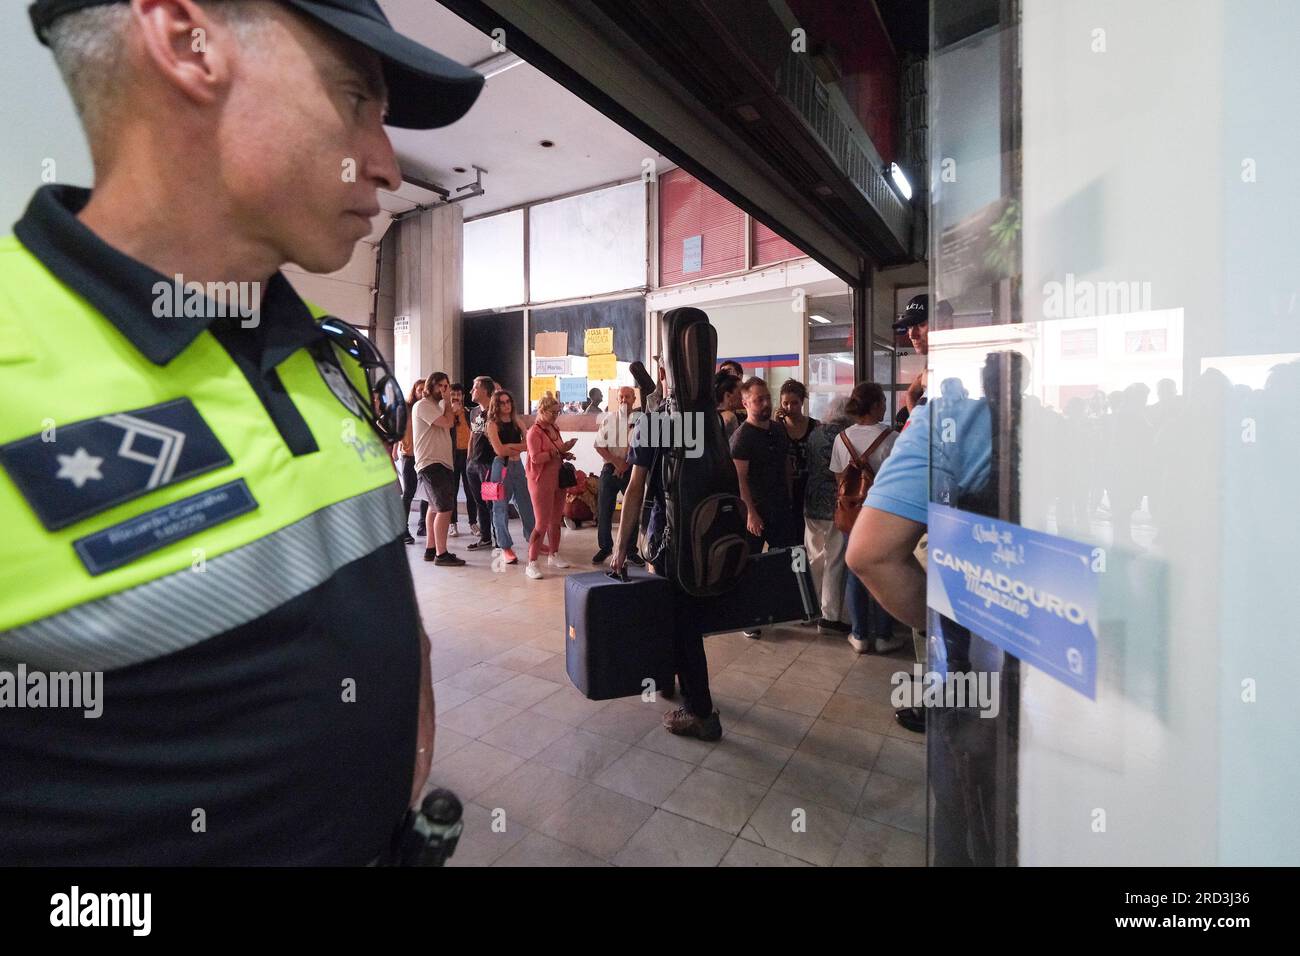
(807, 723)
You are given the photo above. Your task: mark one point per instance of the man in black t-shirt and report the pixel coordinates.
(475, 472)
(761, 451)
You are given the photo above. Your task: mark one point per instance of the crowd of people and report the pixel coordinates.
(791, 469)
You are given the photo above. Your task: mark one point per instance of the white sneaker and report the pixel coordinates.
(533, 571)
(556, 561)
(885, 645)
(453, 531)
(473, 529)
(859, 645)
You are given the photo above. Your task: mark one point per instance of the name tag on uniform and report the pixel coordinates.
(70, 472)
(138, 536)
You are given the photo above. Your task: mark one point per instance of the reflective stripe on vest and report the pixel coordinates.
(181, 609)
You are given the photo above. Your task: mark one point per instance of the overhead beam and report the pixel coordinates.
(575, 43)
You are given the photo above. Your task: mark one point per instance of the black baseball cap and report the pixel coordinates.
(425, 89)
(918, 312)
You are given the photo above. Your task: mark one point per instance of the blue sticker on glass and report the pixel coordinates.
(138, 536)
(78, 470)
(1032, 594)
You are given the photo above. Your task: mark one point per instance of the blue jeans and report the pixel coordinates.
(517, 492)
(868, 619)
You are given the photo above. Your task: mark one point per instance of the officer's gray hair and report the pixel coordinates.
(89, 47)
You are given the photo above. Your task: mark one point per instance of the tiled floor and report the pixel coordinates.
(811, 769)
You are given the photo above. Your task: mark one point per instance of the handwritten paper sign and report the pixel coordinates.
(599, 341)
(602, 368)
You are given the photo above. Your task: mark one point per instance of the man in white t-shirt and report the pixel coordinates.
(611, 445)
(431, 423)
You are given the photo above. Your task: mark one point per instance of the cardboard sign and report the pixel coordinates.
(538, 386)
(602, 368)
(598, 341)
(550, 344)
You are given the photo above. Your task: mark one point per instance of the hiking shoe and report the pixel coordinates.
(533, 571)
(601, 556)
(449, 560)
(685, 724)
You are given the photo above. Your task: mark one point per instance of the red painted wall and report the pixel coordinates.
(689, 208)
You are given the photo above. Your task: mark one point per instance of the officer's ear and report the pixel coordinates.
(186, 46)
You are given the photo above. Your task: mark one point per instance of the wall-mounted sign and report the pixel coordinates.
(538, 386)
(401, 323)
(692, 253)
(1032, 594)
(602, 368)
(551, 366)
(573, 389)
(551, 343)
(598, 341)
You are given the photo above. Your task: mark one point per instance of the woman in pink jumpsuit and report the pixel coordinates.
(545, 452)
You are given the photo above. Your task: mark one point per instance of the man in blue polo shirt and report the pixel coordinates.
(881, 550)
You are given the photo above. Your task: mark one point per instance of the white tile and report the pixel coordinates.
(715, 799)
(597, 821)
(644, 775)
(669, 840)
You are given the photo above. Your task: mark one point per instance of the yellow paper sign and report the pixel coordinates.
(551, 344)
(602, 368)
(598, 342)
(539, 385)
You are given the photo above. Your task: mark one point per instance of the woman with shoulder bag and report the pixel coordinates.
(503, 430)
(858, 453)
(549, 474)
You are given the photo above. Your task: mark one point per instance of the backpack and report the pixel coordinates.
(702, 548)
(855, 483)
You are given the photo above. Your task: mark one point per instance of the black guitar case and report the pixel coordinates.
(704, 549)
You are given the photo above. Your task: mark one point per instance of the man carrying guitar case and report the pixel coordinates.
(704, 574)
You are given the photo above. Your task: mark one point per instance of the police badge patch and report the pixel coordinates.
(338, 384)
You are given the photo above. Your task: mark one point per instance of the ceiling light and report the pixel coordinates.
(900, 180)
(821, 318)
(496, 65)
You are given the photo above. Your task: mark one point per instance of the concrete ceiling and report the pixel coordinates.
(516, 111)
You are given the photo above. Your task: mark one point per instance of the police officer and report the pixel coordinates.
(196, 498)
(915, 324)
